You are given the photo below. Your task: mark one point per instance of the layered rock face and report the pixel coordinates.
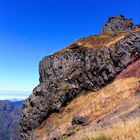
(117, 23)
(81, 66)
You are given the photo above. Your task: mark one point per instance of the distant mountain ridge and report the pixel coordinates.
(9, 119)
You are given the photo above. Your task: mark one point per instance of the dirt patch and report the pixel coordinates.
(133, 70)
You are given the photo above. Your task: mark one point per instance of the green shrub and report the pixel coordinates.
(64, 137)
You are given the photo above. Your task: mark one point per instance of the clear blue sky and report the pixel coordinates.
(31, 29)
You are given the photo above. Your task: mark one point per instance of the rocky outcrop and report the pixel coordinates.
(84, 65)
(64, 74)
(118, 23)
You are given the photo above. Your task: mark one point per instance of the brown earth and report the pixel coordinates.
(92, 84)
(116, 102)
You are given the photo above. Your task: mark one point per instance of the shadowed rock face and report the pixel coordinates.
(117, 23)
(66, 73)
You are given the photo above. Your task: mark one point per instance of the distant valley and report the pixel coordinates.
(9, 119)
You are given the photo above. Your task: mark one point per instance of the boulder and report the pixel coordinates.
(80, 120)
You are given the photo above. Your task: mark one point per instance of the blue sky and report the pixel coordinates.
(31, 29)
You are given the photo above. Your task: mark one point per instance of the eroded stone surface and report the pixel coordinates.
(65, 74)
(118, 23)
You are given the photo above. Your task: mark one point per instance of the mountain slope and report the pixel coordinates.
(9, 119)
(84, 67)
(116, 102)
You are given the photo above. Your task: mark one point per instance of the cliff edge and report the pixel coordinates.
(87, 65)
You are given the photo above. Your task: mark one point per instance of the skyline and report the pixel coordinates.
(30, 30)
(14, 95)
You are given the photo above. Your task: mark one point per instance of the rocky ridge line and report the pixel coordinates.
(118, 23)
(66, 73)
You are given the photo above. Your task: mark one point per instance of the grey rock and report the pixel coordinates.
(66, 73)
(80, 120)
(118, 23)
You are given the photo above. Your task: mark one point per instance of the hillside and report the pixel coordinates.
(116, 102)
(9, 119)
(92, 84)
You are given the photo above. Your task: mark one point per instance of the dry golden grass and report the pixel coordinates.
(124, 130)
(102, 40)
(95, 105)
(93, 41)
(118, 96)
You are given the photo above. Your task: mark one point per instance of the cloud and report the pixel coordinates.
(14, 95)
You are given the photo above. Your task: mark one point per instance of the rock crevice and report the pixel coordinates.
(65, 74)
(86, 65)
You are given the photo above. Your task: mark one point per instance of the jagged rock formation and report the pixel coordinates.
(117, 23)
(91, 112)
(87, 64)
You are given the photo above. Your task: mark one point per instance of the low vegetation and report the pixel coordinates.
(104, 104)
(125, 130)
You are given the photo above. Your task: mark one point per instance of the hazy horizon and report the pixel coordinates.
(14, 95)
